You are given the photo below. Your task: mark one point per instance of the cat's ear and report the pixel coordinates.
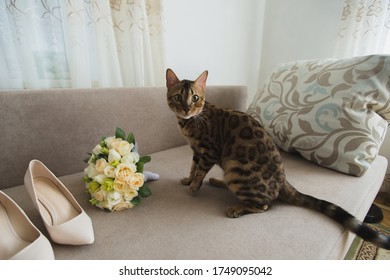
(172, 79)
(201, 80)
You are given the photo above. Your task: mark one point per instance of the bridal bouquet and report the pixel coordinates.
(114, 177)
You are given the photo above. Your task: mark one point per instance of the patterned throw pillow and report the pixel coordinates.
(332, 112)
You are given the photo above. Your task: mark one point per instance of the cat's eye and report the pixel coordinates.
(195, 98)
(178, 98)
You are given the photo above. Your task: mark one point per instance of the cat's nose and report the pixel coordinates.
(186, 108)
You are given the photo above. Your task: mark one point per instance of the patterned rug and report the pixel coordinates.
(362, 250)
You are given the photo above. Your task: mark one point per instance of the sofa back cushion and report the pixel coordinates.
(59, 127)
(332, 112)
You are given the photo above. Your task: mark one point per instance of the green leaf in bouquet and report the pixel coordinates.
(103, 142)
(131, 138)
(119, 133)
(136, 201)
(99, 156)
(140, 167)
(86, 179)
(105, 151)
(93, 201)
(145, 159)
(114, 163)
(145, 191)
(86, 160)
(93, 158)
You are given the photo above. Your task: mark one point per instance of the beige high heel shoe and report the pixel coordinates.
(19, 238)
(65, 220)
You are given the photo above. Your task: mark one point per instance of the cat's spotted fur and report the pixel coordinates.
(252, 165)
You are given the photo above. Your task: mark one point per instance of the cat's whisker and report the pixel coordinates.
(200, 119)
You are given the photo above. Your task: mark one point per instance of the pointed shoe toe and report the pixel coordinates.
(65, 220)
(19, 238)
(76, 231)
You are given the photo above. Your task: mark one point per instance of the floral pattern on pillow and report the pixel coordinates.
(332, 112)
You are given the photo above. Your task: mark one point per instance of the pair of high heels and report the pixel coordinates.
(65, 220)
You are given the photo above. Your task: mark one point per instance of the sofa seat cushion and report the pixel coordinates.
(174, 224)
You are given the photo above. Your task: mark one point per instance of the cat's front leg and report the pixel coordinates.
(188, 180)
(197, 182)
(200, 173)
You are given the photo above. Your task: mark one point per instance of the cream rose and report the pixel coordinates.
(137, 180)
(120, 186)
(123, 147)
(100, 165)
(130, 158)
(128, 196)
(110, 141)
(109, 171)
(122, 206)
(125, 171)
(99, 195)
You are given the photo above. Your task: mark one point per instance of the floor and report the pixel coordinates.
(365, 251)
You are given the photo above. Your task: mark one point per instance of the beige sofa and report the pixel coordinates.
(59, 127)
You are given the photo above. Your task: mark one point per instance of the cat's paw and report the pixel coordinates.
(194, 188)
(186, 181)
(234, 212)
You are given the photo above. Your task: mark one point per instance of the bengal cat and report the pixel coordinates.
(252, 165)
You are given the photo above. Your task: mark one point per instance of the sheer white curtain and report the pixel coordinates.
(80, 43)
(364, 28)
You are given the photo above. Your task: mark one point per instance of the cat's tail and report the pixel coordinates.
(338, 214)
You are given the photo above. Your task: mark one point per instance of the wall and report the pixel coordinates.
(236, 40)
(296, 30)
(222, 36)
(240, 42)
(302, 29)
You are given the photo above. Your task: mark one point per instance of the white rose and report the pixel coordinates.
(91, 171)
(99, 178)
(97, 150)
(109, 171)
(130, 158)
(113, 155)
(104, 205)
(113, 198)
(108, 140)
(100, 165)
